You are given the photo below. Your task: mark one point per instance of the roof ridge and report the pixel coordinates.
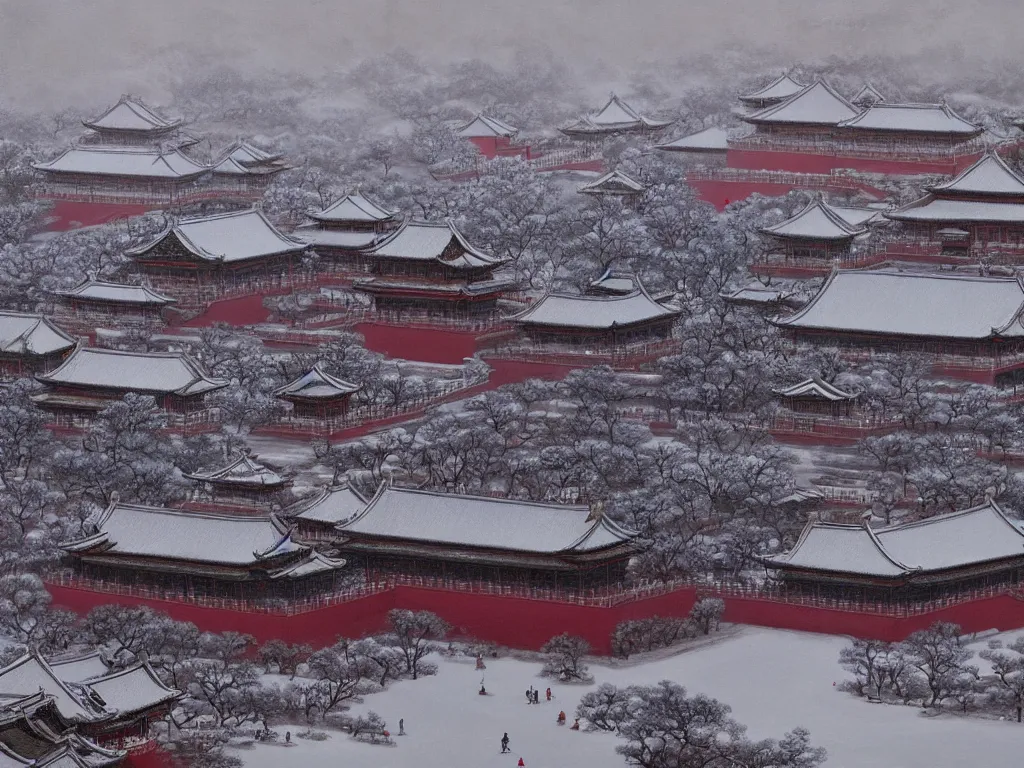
(495, 499)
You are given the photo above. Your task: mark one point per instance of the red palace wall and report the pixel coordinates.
(526, 623)
(804, 162)
(243, 310)
(67, 215)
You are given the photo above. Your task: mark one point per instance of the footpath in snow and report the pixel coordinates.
(773, 680)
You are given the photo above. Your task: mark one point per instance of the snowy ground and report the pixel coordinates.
(773, 680)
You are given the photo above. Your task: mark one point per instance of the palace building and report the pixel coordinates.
(91, 379)
(242, 485)
(493, 137)
(429, 270)
(978, 214)
(33, 733)
(100, 304)
(345, 229)
(191, 556)
(817, 130)
(315, 519)
(818, 238)
(620, 325)
(616, 117)
(938, 557)
(318, 401)
(454, 537)
(94, 710)
(197, 260)
(777, 91)
(616, 184)
(30, 345)
(969, 327)
(134, 160)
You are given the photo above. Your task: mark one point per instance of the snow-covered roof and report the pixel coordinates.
(868, 95)
(139, 162)
(23, 334)
(976, 535)
(857, 217)
(130, 114)
(614, 112)
(433, 241)
(227, 237)
(355, 207)
(317, 384)
(615, 282)
(132, 690)
(780, 88)
(147, 372)
(613, 183)
(755, 293)
(119, 293)
(817, 104)
(708, 140)
(932, 209)
(336, 238)
(913, 118)
(615, 115)
(314, 564)
(139, 531)
(841, 549)
(914, 304)
(76, 669)
(989, 176)
(30, 674)
(817, 221)
(243, 471)
(484, 522)
(564, 310)
(481, 127)
(334, 505)
(817, 388)
(972, 536)
(247, 154)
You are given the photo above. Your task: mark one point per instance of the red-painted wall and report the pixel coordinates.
(803, 162)
(243, 310)
(428, 345)
(524, 623)
(67, 215)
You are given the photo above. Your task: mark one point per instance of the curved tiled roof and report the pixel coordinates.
(914, 304)
(483, 522)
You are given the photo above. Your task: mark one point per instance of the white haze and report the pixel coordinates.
(78, 51)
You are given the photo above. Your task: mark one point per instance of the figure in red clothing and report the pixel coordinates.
(561, 718)
(575, 725)
(521, 763)
(548, 694)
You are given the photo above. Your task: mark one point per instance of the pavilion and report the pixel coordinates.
(616, 117)
(30, 344)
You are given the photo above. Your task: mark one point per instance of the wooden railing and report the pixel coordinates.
(599, 598)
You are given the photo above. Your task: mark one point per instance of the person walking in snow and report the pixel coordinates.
(548, 694)
(561, 718)
(401, 726)
(529, 696)
(536, 697)
(504, 744)
(521, 763)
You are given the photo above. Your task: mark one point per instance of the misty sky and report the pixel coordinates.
(59, 50)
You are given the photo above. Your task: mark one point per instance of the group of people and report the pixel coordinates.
(533, 697)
